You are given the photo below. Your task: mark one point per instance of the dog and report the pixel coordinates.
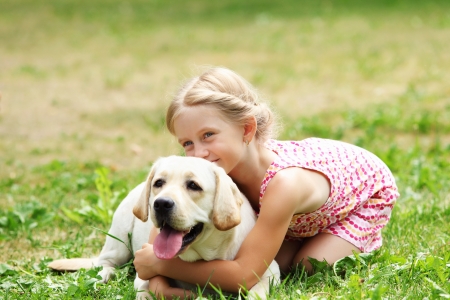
(197, 208)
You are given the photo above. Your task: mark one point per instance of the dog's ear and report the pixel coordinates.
(140, 209)
(227, 202)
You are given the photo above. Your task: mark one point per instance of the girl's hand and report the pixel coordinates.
(145, 262)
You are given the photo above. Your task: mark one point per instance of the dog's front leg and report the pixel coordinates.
(262, 288)
(142, 288)
(115, 253)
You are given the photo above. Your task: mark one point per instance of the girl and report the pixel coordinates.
(314, 198)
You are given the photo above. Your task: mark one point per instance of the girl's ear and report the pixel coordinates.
(250, 127)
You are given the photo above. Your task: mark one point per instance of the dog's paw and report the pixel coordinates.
(141, 287)
(252, 295)
(144, 295)
(106, 274)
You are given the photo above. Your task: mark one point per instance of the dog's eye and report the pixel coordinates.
(191, 185)
(158, 183)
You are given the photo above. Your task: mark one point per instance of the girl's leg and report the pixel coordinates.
(286, 255)
(323, 246)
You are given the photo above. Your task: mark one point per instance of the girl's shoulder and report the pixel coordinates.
(308, 189)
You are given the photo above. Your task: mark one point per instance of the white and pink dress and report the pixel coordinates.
(362, 195)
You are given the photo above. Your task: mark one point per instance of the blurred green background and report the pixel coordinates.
(89, 80)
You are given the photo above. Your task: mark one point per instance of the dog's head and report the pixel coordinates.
(184, 195)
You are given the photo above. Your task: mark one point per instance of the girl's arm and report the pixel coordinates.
(280, 202)
(159, 285)
(252, 260)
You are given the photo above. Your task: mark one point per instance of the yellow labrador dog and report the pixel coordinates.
(200, 212)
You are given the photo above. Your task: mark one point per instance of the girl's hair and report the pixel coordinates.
(232, 95)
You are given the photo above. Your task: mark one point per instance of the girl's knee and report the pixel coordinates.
(303, 263)
(322, 247)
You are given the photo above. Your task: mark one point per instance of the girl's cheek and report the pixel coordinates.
(188, 152)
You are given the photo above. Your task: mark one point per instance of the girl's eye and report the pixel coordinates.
(208, 134)
(186, 144)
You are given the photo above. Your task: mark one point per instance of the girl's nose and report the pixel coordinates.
(201, 152)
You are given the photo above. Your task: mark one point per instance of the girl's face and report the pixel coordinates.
(204, 133)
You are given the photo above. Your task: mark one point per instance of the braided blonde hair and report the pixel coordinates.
(232, 95)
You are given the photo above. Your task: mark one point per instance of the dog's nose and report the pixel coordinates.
(163, 205)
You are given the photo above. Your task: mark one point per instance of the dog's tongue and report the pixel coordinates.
(167, 243)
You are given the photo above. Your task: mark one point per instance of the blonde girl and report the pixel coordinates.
(314, 198)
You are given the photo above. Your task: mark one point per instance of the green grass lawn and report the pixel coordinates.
(84, 87)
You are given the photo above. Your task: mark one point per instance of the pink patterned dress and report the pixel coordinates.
(362, 195)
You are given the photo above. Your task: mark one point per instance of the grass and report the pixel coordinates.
(84, 88)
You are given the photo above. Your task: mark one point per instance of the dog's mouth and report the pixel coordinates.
(171, 242)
